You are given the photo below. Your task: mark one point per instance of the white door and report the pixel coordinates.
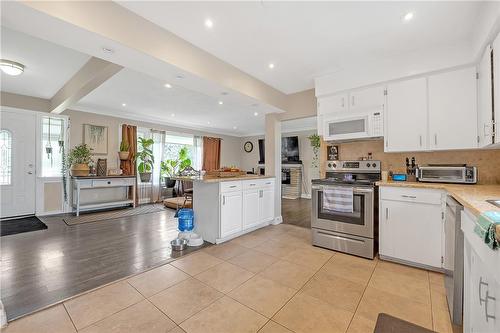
(17, 163)
(406, 116)
(251, 208)
(370, 98)
(266, 204)
(230, 213)
(331, 104)
(485, 104)
(453, 110)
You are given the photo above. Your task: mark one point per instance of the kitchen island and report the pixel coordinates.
(225, 208)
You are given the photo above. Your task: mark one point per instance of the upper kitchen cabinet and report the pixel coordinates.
(370, 98)
(485, 100)
(406, 116)
(453, 110)
(331, 104)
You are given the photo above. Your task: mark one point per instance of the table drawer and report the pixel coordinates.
(428, 196)
(112, 182)
(230, 186)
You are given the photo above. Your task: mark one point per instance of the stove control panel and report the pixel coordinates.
(368, 165)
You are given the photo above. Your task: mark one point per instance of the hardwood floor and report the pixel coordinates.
(42, 267)
(296, 212)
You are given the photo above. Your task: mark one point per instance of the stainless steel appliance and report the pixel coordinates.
(454, 259)
(357, 232)
(447, 173)
(351, 125)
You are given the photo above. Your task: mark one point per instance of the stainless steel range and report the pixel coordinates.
(349, 222)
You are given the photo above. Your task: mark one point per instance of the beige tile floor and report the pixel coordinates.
(270, 281)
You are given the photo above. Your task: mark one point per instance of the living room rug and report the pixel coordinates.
(112, 214)
(17, 226)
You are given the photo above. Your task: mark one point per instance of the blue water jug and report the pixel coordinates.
(186, 219)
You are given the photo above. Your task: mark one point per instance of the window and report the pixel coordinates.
(5, 157)
(52, 147)
(174, 143)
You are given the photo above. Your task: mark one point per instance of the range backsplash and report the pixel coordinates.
(486, 160)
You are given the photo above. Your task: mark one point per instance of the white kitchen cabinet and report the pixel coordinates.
(453, 110)
(331, 104)
(230, 213)
(266, 207)
(365, 99)
(485, 102)
(496, 85)
(406, 116)
(411, 226)
(251, 208)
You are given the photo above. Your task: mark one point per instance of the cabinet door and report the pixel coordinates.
(251, 203)
(485, 103)
(230, 213)
(331, 104)
(266, 204)
(453, 110)
(406, 116)
(386, 236)
(415, 232)
(370, 98)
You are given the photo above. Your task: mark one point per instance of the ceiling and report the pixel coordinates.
(47, 66)
(309, 39)
(148, 99)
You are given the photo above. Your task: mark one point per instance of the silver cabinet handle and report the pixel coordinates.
(30, 172)
(252, 184)
(435, 139)
(342, 101)
(409, 196)
(223, 200)
(352, 98)
(232, 186)
(261, 194)
(420, 138)
(386, 213)
(488, 297)
(481, 284)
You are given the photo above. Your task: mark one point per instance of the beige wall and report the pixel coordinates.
(300, 105)
(230, 145)
(487, 161)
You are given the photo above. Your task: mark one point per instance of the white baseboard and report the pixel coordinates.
(277, 220)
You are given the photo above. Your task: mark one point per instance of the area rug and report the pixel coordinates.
(17, 226)
(113, 214)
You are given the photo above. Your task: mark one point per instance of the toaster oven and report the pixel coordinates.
(460, 174)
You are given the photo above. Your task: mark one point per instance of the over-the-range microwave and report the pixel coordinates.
(351, 125)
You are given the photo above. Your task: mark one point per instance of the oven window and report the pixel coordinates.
(347, 127)
(356, 217)
(442, 174)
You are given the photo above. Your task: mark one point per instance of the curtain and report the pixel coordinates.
(158, 149)
(197, 153)
(128, 167)
(211, 153)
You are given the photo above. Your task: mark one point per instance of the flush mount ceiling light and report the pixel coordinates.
(271, 66)
(209, 23)
(124, 104)
(168, 85)
(408, 16)
(221, 102)
(11, 67)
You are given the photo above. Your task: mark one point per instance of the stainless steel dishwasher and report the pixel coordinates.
(454, 259)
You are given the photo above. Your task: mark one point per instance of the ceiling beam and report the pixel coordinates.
(94, 73)
(24, 102)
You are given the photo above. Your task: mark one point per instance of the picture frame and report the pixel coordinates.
(332, 153)
(96, 137)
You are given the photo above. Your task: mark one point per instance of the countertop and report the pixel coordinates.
(472, 197)
(208, 179)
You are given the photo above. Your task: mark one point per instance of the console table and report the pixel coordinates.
(95, 183)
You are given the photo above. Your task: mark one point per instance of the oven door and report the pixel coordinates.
(360, 222)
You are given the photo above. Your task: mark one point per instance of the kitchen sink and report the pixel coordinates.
(494, 202)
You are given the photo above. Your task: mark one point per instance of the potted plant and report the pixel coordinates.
(79, 158)
(315, 144)
(173, 167)
(124, 153)
(146, 159)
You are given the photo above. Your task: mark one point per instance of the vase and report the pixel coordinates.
(123, 155)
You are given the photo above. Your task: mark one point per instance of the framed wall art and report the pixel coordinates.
(96, 137)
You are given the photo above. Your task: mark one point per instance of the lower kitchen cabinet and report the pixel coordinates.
(266, 205)
(230, 213)
(411, 226)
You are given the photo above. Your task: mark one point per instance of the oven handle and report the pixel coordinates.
(356, 189)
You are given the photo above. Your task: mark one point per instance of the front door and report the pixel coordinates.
(17, 163)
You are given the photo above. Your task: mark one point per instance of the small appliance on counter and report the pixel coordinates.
(447, 173)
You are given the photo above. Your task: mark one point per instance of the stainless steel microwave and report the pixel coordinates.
(461, 174)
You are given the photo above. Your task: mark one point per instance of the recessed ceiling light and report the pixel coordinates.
(208, 122)
(11, 67)
(221, 102)
(108, 50)
(256, 114)
(271, 66)
(408, 16)
(124, 104)
(209, 23)
(168, 85)
(172, 115)
(234, 127)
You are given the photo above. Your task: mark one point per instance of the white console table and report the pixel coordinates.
(95, 182)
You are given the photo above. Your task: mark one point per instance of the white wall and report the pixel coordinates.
(230, 145)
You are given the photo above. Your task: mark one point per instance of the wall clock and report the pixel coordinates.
(248, 146)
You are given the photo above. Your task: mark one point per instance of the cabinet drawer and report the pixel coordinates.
(251, 184)
(427, 196)
(267, 182)
(230, 186)
(111, 182)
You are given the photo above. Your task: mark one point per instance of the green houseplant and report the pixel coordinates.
(315, 144)
(79, 158)
(146, 159)
(124, 153)
(172, 167)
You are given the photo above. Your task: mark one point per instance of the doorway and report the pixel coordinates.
(17, 163)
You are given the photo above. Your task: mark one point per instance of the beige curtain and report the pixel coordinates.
(211, 153)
